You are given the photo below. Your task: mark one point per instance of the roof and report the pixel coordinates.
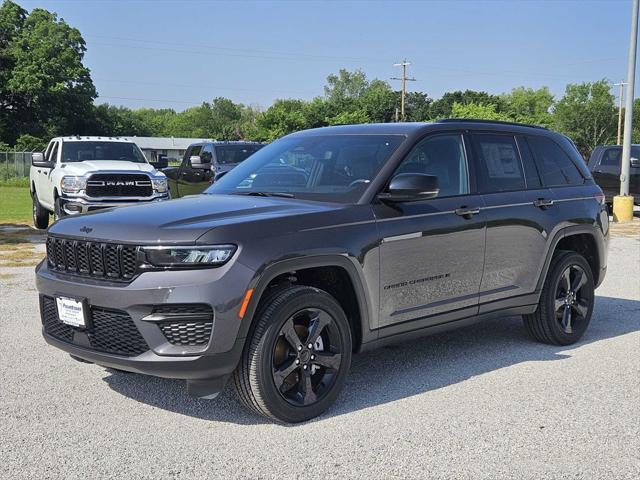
(166, 143)
(78, 138)
(408, 128)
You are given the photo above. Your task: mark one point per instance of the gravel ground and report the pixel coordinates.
(480, 402)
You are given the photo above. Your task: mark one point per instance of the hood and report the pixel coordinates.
(181, 221)
(80, 168)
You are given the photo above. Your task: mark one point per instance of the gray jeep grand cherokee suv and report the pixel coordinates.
(328, 242)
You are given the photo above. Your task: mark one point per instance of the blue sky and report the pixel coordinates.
(177, 54)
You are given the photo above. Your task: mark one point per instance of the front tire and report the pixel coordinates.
(566, 302)
(40, 214)
(58, 211)
(296, 361)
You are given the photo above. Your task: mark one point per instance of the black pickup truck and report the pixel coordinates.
(204, 163)
(605, 163)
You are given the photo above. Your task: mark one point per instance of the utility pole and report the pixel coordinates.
(404, 80)
(621, 96)
(623, 204)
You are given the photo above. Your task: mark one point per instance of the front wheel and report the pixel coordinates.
(566, 302)
(58, 211)
(40, 214)
(297, 359)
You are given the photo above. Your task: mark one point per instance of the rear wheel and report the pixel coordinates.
(40, 214)
(297, 359)
(566, 302)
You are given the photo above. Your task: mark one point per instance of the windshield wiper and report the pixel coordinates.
(266, 194)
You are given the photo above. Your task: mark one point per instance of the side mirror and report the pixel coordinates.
(411, 187)
(196, 162)
(37, 160)
(635, 163)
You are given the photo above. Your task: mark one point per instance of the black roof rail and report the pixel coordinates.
(496, 122)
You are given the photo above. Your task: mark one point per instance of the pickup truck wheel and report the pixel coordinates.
(296, 362)
(566, 302)
(40, 214)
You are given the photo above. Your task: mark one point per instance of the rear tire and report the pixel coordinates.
(566, 302)
(40, 214)
(294, 383)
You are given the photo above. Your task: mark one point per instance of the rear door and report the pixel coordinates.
(519, 215)
(431, 251)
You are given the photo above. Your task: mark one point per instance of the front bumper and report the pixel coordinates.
(205, 367)
(76, 205)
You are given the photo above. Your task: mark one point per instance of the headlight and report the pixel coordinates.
(73, 184)
(206, 256)
(159, 184)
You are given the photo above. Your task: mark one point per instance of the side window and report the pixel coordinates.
(500, 165)
(53, 153)
(554, 165)
(530, 170)
(442, 156)
(191, 151)
(611, 157)
(206, 154)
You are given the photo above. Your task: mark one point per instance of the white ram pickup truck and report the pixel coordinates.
(80, 174)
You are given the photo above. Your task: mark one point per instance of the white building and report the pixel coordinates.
(172, 147)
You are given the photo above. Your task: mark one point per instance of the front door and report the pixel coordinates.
(192, 181)
(46, 187)
(431, 251)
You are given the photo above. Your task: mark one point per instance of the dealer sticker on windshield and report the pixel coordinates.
(71, 311)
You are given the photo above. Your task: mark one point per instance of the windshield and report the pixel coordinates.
(331, 168)
(235, 153)
(81, 151)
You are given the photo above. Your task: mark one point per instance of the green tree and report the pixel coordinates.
(443, 107)
(345, 85)
(377, 101)
(527, 105)
(587, 115)
(46, 89)
(417, 107)
(475, 110)
(281, 118)
(29, 143)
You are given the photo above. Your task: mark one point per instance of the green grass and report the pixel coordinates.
(15, 205)
(14, 182)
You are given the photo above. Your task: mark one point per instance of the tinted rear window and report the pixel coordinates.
(555, 167)
(235, 153)
(500, 166)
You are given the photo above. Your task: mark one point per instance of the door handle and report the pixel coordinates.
(467, 212)
(543, 203)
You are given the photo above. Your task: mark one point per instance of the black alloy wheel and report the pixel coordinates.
(297, 355)
(306, 356)
(572, 298)
(566, 301)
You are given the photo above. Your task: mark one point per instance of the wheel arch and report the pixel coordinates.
(335, 274)
(585, 240)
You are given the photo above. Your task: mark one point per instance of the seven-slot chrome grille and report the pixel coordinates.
(94, 259)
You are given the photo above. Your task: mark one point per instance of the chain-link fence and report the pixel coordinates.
(14, 164)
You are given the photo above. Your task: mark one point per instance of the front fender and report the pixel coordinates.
(267, 273)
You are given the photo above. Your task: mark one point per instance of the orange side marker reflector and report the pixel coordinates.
(245, 303)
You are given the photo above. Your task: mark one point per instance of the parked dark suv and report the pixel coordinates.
(327, 242)
(204, 163)
(605, 164)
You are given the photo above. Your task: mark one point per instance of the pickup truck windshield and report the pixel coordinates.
(331, 168)
(82, 151)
